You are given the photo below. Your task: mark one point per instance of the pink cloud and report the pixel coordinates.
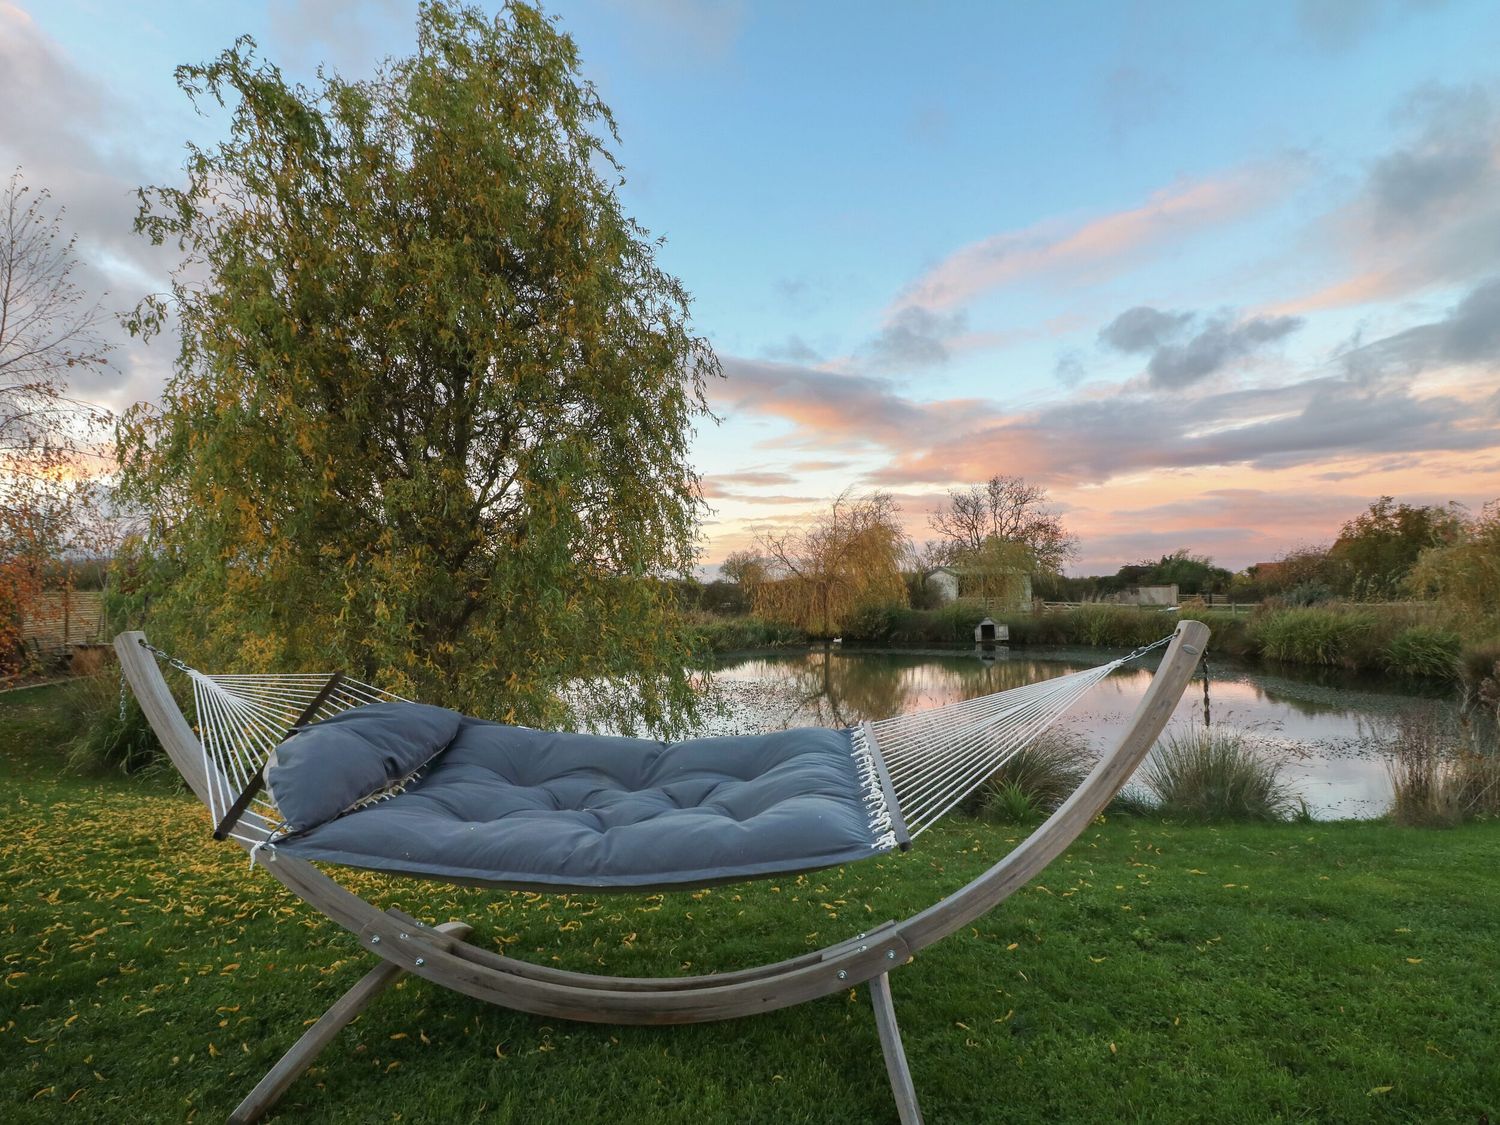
(1362, 288)
(1093, 248)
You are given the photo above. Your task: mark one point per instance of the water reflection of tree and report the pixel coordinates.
(830, 687)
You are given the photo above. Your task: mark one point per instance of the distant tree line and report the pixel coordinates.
(990, 532)
(1374, 558)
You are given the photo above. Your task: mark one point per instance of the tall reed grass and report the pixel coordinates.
(710, 633)
(1442, 773)
(1319, 636)
(1213, 774)
(1400, 640)
(1424, 652)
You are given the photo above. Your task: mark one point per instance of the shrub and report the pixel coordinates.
(1308, 593)
(949, 625)
(1424, 652)
(1035, 780)
(1213, 774)
(1231, 631)
(872, 624)
(90, 661)
(1479, 675)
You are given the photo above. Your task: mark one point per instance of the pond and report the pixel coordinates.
(1323, 727)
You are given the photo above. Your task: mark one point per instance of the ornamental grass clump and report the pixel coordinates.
(112, 735)
(1213, 774)
(1034, 781)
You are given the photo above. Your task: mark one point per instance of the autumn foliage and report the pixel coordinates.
(47, 331)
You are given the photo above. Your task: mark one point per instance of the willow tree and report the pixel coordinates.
(843, 560)
(997, 571)
(430, 415)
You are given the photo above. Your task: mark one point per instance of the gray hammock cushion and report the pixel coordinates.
(511, 806)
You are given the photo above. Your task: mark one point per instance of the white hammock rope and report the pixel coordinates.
(938, 757)
(242, 718)
(913, 768)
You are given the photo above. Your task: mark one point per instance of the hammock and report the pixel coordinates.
(925, 763)
(369, 780)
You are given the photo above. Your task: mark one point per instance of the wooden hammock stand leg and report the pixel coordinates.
(440, 953)
(902, 1087)
(344, 1011)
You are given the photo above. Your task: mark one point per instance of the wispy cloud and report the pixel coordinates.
(1426, 212)
(681, 33)
(1469, 333)
(1094, 248)
(342, 33)
(915, 338)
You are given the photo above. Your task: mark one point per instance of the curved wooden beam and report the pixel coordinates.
(497, 979)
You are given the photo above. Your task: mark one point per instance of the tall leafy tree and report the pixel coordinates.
(1190, 573)
(1376, 550)
(744, 568)
(431, 410)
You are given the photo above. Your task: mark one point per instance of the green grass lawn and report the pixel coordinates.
(1341, 972)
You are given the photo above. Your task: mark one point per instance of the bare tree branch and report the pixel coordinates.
(1011, 510)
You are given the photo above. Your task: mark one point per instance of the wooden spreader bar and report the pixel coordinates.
(258, 778)
(442, 955)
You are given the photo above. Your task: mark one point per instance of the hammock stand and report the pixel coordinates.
(440, 953)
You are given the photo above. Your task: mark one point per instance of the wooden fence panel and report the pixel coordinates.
(61, 619)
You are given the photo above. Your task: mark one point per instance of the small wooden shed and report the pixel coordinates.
(989, 633)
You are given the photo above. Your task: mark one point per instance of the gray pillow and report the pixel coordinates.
(325, 769)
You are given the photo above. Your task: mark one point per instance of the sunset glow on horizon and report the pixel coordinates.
(1217, 276)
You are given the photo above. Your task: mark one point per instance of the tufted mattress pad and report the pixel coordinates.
(516, 807)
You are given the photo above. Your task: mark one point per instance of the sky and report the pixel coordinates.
(1217, 275)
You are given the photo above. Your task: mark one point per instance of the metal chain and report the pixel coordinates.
(1146, 648)
(122, 696)
(1208, 715)
(165, 656)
